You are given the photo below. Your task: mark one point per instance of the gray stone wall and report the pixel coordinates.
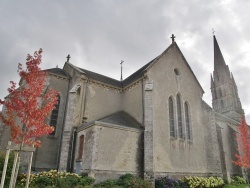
(149, 168)
(67, 131)
(89, 146)
(211, 139)
(176, 156)
(132, 102)
(110, 152)
(101, 102)
(47, 156)
(226, 132)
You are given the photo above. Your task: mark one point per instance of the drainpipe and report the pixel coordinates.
(142, 135)
(143, 108)
(64, 120)
(72, 152)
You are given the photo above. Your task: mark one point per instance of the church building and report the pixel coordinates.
(154, 123)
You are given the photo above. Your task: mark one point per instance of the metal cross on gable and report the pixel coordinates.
(173, 37)
(68, 57)
(213, 31)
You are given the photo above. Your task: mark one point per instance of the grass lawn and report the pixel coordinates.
(238, 186)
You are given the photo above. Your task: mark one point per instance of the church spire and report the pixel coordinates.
(223, 87)
(219, 61)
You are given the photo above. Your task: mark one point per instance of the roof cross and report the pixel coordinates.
(68, 57)
(213, 31)
(173, 37)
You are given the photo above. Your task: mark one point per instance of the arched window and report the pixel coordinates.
(80, 150)
(179, 116)
(187, 121)
(171, 116)
(54, 115)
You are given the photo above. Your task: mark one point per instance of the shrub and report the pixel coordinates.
(166, 182)
(125, 181)
(130, 181)
(54, 178)
(9, 167)
(237, 180)
(107, 184)
(85, 181)
(68, 181)
(43, 181)
(197, 182)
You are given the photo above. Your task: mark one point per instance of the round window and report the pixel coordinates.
(177, 72)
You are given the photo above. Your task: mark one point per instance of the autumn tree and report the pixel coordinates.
(28, 106)
(243, 140)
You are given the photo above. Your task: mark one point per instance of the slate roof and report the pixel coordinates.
(136, 75)
(58, 71)
(121, 119)
(102, 78)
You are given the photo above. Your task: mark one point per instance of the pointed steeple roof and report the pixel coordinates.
(218, 57)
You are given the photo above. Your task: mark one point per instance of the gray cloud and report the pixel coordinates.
(99, 34)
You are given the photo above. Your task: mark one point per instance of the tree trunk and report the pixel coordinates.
(29, 170)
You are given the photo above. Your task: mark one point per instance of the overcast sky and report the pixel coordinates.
(98, 34)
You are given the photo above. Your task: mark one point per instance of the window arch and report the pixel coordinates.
(171, 116)
(54, 115)
(187, 121)
(179, 116)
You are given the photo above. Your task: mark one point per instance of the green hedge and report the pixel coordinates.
(125, 181)
(206, 182)
(237, 180)
(55, 179)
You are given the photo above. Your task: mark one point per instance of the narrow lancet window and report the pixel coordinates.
(187, 120)
(179, 116)
(54, 115)
(171, 116)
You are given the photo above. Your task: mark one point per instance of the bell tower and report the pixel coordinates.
(225, 96)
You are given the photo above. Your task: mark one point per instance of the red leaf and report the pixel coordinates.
(26, 109)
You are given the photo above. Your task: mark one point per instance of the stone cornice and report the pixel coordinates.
(109, 125)
(58, 76)
(225, 119)
(103, 85)
(117, 89)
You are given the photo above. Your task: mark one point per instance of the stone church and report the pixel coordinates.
(153, 123)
